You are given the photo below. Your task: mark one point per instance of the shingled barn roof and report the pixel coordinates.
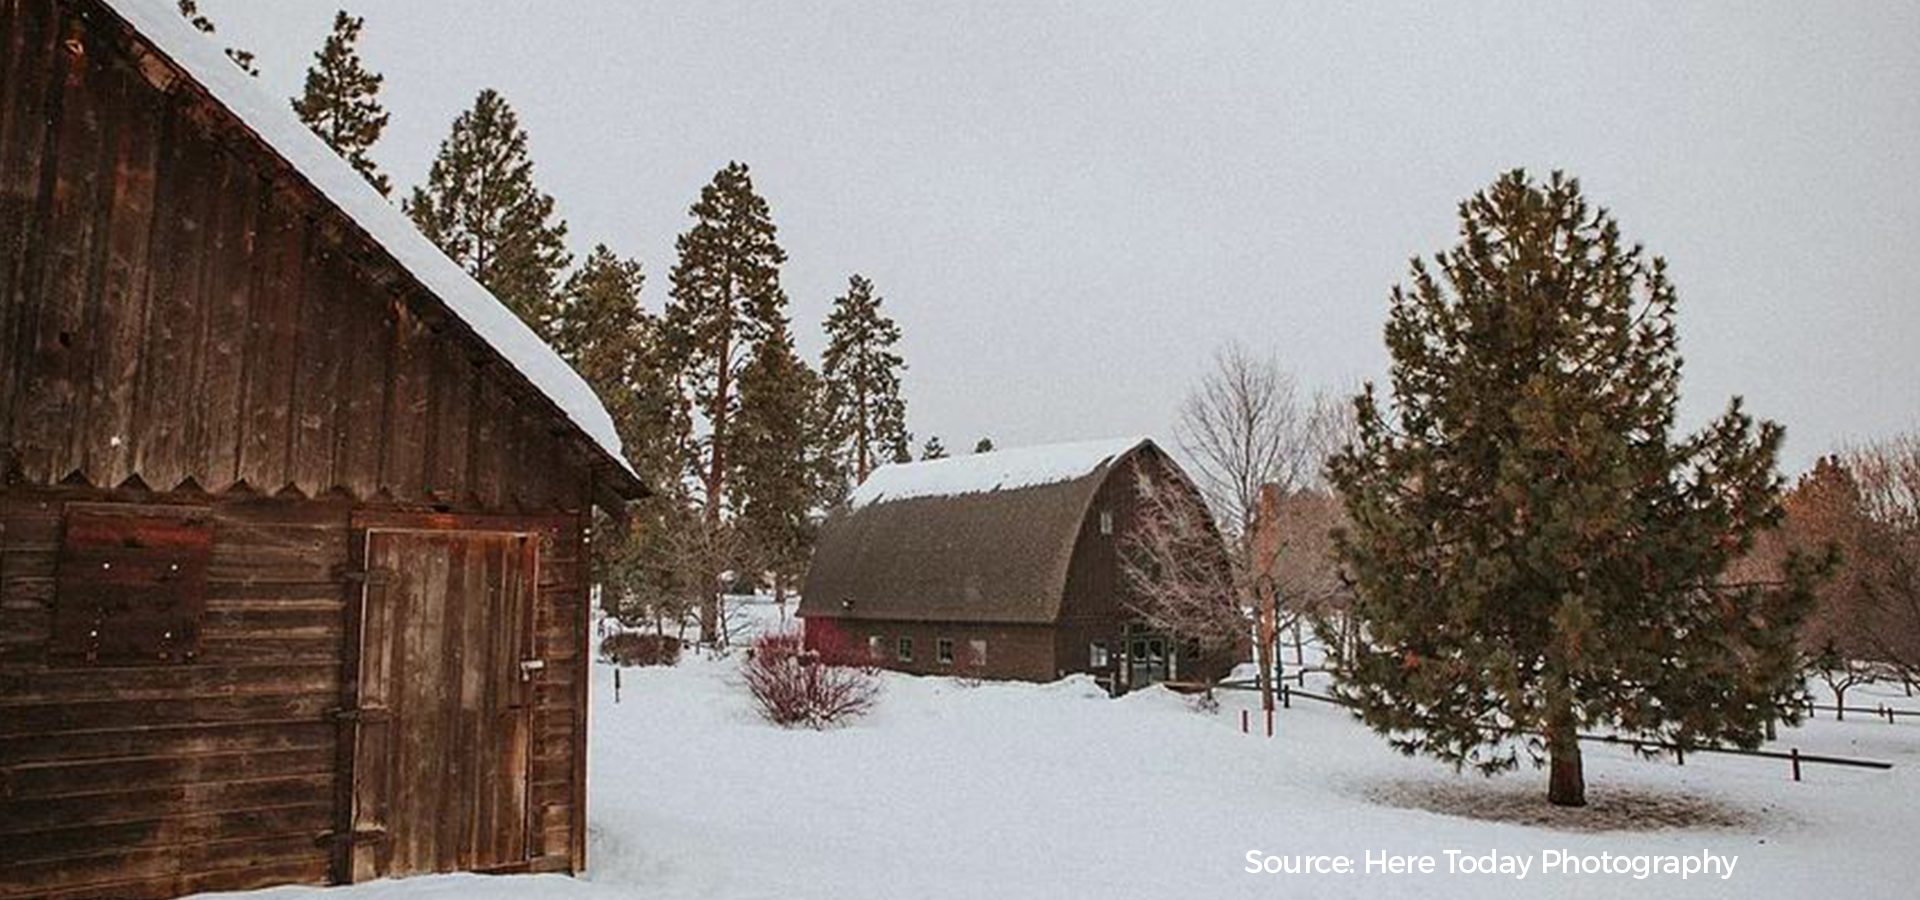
(981, 538)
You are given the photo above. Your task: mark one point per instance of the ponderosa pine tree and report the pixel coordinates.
(190, 10)
(341, 101)
(776, 489)
(933, 449)
(725, 300)
(603, 330)
(1534, 554)
(862, 374)
(481, 206)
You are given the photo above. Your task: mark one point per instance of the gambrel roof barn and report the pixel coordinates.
(999, 565)
(293, 520)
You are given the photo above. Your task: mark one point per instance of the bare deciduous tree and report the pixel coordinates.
(1179, 580)
(1243, 428)
(1888, 477)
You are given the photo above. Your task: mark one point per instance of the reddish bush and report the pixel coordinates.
(800, 685)
(633, 648)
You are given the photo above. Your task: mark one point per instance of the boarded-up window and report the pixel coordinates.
(131, 585)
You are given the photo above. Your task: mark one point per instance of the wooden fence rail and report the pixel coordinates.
(1793, 754)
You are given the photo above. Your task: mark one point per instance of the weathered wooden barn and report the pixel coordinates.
(999, 565)
(294, 513)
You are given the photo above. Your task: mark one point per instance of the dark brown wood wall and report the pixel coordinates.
(1017, 652)
(176, 306)
(183, 321)
(1096, 605)
(158, 780)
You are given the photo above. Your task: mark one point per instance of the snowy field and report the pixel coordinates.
(1054, 791)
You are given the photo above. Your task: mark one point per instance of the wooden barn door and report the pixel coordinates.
(442, 732)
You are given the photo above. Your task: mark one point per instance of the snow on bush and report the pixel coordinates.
(815, 687)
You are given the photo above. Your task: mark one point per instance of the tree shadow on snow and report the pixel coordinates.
(1609, 807)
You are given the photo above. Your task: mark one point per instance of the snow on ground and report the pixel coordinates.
(1052, 791)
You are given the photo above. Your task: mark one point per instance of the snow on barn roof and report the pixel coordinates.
(273, 120)
(998, 470)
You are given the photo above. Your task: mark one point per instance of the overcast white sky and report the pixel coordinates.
(1068, 206)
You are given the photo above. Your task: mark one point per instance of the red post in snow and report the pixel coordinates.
(1269, 722)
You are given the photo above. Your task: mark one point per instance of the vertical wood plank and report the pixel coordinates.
(106, 428)
(30, 37)
(452, 403)
(522, 572)
(189, 168)
(357, 455)
(272, 346)
(487, 482)
(317, 389)
(373, 783)
(453, 807)
(222, 378)
(406, 427)
(55, 349)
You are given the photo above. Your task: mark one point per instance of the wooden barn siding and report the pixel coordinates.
(1093, 607)
(179, 311)
(176, 306)
(1096, 605)
(153, 781)
(1023, 652)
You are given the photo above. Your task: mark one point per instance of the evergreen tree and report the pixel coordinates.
(1534, 554)
(725, 300)
(341, 102)
(862, 373)
(602, 329)
(984, 445)
(933, 449)
(776, 490)
(480, 205)
(190, 10)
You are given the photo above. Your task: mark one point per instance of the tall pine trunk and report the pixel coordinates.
(1566, 780)
(715, 481)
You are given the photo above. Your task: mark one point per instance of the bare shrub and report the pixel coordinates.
(632, 648)
(808, 686)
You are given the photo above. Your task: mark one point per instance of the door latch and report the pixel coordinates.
(529, 666)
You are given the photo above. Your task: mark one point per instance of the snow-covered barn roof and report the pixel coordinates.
(1000, 470)
(274, 122)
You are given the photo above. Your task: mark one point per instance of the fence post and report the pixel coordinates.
(1286, 696)
(1243, 722)
(616, 685)
(1679, 756)
(1795, 752)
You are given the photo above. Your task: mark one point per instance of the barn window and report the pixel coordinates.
(131, 585)
(977, 652)
(1106, 521)
(904, 649)
(1097, 655)
(876, 647)
(943, 651)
